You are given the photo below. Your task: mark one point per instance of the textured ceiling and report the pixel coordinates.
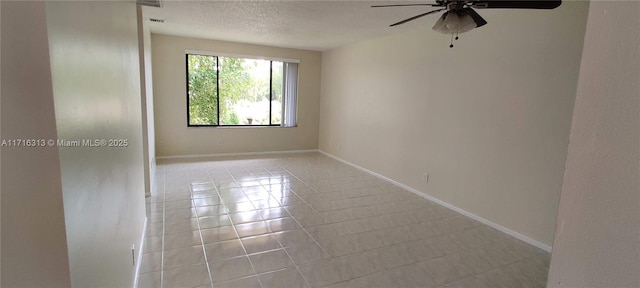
(313, 25)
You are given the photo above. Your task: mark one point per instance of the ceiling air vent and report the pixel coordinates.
(152, 3)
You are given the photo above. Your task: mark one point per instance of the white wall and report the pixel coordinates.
(34, 243)
(174, 138)
(597, 240)
(96, 87)
(488, 119)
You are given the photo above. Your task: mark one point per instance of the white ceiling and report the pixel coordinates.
(313, 25)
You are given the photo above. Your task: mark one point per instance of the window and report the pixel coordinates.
(232, 91)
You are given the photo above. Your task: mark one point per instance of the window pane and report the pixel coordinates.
(276, 87)
(244, 91)
(203, 101)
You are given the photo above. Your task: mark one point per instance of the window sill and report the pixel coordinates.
(239, 126)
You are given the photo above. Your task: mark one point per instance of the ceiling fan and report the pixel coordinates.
(460, 16)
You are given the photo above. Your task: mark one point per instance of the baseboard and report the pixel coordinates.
(234, 154)
(473, 216)
(136, 275)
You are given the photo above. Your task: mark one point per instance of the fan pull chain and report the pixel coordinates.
(451, 45)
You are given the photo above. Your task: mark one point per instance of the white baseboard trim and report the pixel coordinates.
(234, 154)
(473, 216)
(136, 275)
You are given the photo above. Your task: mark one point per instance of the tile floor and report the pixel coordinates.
(306, 220)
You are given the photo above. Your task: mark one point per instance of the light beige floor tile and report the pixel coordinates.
(309, 220)
(269, 203)
(476, 261)
(248, 282)
(154, 229)
(182, 239)
(228, 192)
(204, 194)
(541, 261)
(397, 234)
(260, 243)
(471, 282)
(369, 240)
(150, 280)
(273, 213)
(271, 260)
(283, 278)
(229, 269)
(183, 257)
(178, 196)
(392, 256)
(257, 196)
(345, 284)
(211, 201)
(180, 204)
(218, 234)
(521, 250)
(293, 238)
(252, 229)
(411, 276)
(527, 271)
(224, 250)
(499, 279)
(289, 200)
(227, 185)
(245, 217)
(442, 245)
(201, 185)
(282, 224)
(497, 254)
(188, 276)
(326, 231)
(181, 226)
(155, 217)
(155, 199)
(213, 210)
(445, 270)
(322, 273)
(243, 206)
(378, 280)
(339, 246)
(152, 244)
(151, 262)
(421, 230)
(154, 207)
(421, 252)
(357, 265)
(306, 253)
(214, 221)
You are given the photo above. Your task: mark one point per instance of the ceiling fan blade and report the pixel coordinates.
(401, 5)
(416, 17)
(476, 17)
(517, 4)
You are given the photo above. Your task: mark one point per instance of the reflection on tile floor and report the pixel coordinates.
(306, 220)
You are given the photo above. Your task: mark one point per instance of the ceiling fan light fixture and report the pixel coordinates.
(454, 22)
